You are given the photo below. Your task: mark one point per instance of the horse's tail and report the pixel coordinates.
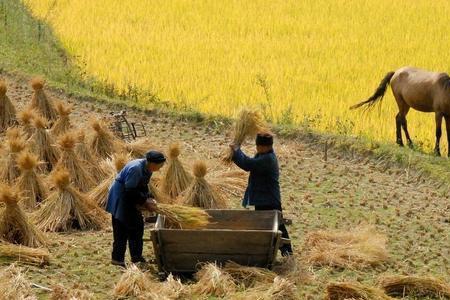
(378, 95)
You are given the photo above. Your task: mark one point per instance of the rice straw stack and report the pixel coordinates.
(138, 148)
(40, 102)
(132, 283)
(7, 109)
(85, 154)
(62, 124)
(415, 286)
(44, 145)
(212, 281)
(15, 143)
(103, 143)
(184, 217)
(354, 290)
(26, 117)
(22, 254)
(14, 285)
(29, 182)
(66, 208)
(175, 179)
(14, 224)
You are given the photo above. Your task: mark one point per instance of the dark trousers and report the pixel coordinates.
(123, 233)
(285, 249)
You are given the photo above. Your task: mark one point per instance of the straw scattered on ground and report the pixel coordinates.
(354, 290)
(60, 292)
(249, 276)
(14, 285)
(415, 286)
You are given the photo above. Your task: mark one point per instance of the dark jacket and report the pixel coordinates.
(129, 190)
(263, 183)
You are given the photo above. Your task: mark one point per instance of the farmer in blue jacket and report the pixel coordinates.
(263, 190)
(129, 192)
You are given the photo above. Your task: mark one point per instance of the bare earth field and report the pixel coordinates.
(339, 193)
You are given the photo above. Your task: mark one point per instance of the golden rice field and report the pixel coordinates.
(316, 57)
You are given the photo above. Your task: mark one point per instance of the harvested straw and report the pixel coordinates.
(138, 148)
(281, 289)
(290, 267)
(40, 102)
(103, 143)
(175, 179)
(14, 285)
(354, 290)
(29, 182)
(68, 160)
(359, 248)
(247, 124)
(63, 123)
(132, 283)
(14, 224)
(83, 152)
(43, 144)
(22, 254)
(228, 182)
(7, 110)
(415, 286)
(200, 193)
(184, 217)
(26, 117)
(61, 293)
(211, 281)
(156, 192)
(172, 288)
(9, 170)
(66, 208)
(249, 276)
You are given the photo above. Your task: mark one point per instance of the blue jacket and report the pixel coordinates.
(263, 183)
(129, 190)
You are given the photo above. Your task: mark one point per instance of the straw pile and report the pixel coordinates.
(83, 152)
(249, 276)
(63, 123)
(66, 208)
(138, 148)
(15, 143)
(69, 161)
(7, 110)
(14, 224)
(175, 179)
(359, 248)
(200, 193)
(211, 281)
(26, 117)
(43, 144)
(14, 285)
(22, 254)
(40, 102)
(102, 142)
(290, 267)
(61, 293)
(354, 290)
(248, 124)
(132, 283)
(184, 217)
(32, 186)
(415, 286)
(171, 288)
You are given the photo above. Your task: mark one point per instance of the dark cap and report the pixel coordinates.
(155, 157)
(264, 139)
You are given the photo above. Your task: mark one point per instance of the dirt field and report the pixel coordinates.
(317, 194)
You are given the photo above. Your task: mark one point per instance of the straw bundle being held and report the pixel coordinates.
(29, 182)
(66, 208)
(26, 117)
(415, 286)
(14, 285)
(359, 248)
(200, 193)
(184, 217)
(9, 170)
(69, 161)
(85, 154)
(14, 224)
(138, 148)
(212, 281)
(133, 283)
(22, 254)
(249, 276)
(40, 102)
(354, 290)
(7, 110)
(247, 124)
(43, 144)
(102, 142)
(63, 123)
(175, 179)
(61, 293)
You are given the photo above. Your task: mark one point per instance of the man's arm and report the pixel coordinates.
(247, 163)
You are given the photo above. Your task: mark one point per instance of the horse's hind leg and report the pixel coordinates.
(398, 125)
(438, 118)
(405, 127)
(447, 126)
(400, 119)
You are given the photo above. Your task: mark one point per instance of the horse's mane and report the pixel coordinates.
(444, 80)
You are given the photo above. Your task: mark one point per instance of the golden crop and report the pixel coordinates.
(314, 57)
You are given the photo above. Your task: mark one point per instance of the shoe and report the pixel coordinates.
(138, 260)
(118, 263)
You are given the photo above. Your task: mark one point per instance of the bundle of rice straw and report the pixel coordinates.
(138, 148)
(132, 283)
(248, 124)
(26, 117)
(83, 152)
(9, 170)
(228, 182)
(40, 102)
(415, 286)
(212, 281)
(184, 217)
(29, 182)
(63, 123)
(14, 224)
(113, 166)
(175, 179)
(354, 290)
(61, 293)
(66, 208)
(171, 288)
(43, 144)
(157, 194)
(22, 254)
(200, 193)
(69, 161)
(7, 110)
(14, 285)
(359, 248)
(249, 276)
(103, 143)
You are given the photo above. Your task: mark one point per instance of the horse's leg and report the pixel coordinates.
(398, 125)
(438, 119)
(402, 107)
(405, 127)
(447, 126)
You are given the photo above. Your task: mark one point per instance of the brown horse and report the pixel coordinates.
(423, 91)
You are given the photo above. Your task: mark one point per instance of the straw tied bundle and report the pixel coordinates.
(15, 143)
(22, 254)
(103, 143)
(63, 123)
(7, 110)
(176, 179)
(184, 217)
(26, 117)
(43, 144)
(40, 102)
(85, 154)
(417, 286)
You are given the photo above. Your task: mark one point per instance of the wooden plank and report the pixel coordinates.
(241, 219)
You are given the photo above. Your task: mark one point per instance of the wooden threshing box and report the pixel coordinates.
(249, 238)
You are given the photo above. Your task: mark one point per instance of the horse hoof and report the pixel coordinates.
(411, 145)
(437, 153)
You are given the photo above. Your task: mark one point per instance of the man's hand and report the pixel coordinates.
(150, 205)
(234, 147)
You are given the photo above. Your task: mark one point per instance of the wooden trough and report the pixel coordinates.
(249, 238)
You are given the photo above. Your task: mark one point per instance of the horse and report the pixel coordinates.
(421, 90)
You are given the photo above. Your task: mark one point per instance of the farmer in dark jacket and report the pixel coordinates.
(263, 190)
(129, 192)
